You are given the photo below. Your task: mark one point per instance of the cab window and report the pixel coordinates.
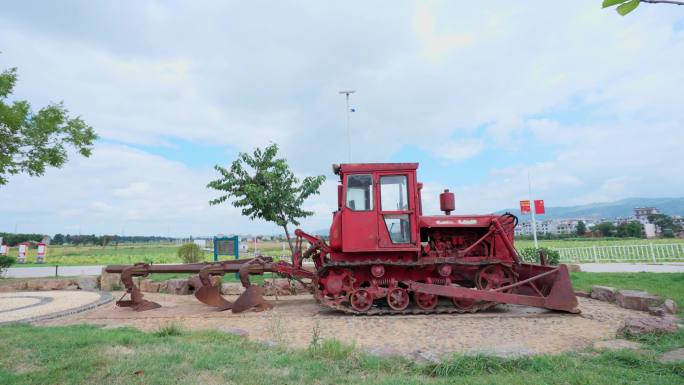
(394, 193)
(360, 192)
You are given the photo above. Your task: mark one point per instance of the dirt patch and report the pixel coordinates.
(293, 320)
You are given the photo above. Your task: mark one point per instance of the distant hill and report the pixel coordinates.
(621, 208)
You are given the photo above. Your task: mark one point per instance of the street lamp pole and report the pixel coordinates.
(346, 94)
(532, 209)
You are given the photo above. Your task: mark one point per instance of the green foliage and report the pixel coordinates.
(630, 229)
(190, 253)
(31, 141)
(666, 224)
(581, 228)
(530, 254)
(5, 262)
(606, 229)
(623, 6)
(627, 7)
(15, 239)
(264, 187)
(610, 3)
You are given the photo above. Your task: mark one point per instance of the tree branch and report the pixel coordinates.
(662, 1)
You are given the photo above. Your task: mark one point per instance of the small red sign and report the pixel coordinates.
(524, 207)
(539, 206)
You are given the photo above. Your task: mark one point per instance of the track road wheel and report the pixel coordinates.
(361, 300)
(463, 303)
(493, 277)
(398, 298)
(426, 301)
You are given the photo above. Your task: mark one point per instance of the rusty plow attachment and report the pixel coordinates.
(205, 291)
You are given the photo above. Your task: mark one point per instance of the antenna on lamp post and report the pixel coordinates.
(346, 94)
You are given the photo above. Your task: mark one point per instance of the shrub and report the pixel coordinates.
(169, 330)
(190, 253)
(5, 262)
(530, 254)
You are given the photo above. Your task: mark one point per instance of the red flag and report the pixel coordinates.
(524, 207)
(539, 206)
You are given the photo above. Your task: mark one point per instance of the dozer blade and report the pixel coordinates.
(251, 298)
(211, 296)
(541, 286)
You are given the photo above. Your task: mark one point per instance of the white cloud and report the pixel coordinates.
(463, 81)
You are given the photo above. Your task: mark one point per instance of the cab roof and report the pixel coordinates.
(370, 167)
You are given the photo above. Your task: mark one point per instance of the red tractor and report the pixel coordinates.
(385, 257)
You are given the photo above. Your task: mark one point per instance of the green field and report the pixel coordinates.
(588, 242)
(91, 355)
(166, 253)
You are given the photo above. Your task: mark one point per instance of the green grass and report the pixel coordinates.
(166, 253)
(667, 285)
(119, 255)
(588, 242)
(90, 355)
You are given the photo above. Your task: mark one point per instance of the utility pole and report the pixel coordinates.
(346, 94)
(532, 209)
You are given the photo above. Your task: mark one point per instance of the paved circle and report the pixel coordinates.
(30, 306)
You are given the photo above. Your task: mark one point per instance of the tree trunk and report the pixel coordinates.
(289, 240)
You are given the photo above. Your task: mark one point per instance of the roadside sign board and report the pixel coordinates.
(4, 249)
(21, 258)
(539, 206)
(40, 254)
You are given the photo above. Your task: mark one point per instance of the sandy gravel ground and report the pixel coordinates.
(293, 320)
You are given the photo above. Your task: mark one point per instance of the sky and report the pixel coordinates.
(481, 94)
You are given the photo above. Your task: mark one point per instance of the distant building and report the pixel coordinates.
(641, 213)
(550, 226)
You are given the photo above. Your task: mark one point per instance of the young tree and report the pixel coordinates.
(665, 223)
(581, 228)
(605, 228)
(264, 187)
(30, 141)
(630, 229)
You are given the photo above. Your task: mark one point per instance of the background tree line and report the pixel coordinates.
(92, 239)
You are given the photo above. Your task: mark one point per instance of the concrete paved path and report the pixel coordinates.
(49, 271)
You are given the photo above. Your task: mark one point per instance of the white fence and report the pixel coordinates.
(650, 252)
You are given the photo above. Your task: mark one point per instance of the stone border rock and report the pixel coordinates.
(105, 297)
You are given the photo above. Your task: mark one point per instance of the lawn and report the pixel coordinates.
(588, 242)
(90, 355)
(166, 253)
(667, 285)
(125, 254)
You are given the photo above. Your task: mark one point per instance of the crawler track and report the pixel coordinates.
(412, 309)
